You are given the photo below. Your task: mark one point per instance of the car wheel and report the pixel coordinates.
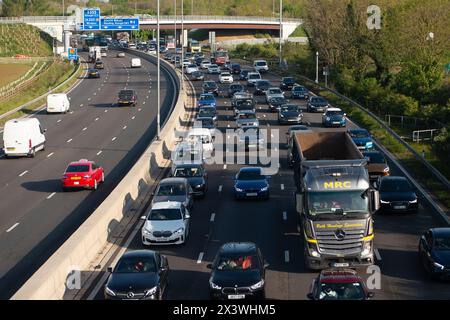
(64, 189)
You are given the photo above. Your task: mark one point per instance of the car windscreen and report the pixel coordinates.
(261, 63)
(442, 243)
(278, 100)
(210, 84)
(319, 100)
(207, 112)
(247, 116)
(250, 175)
(164, 214)
(289, 108)
(235, 66)
(204, 98)
(237, 87)
(375, 157)
(254, 76)
(337, 202)
(136, 265)
(188, 172)
(341, 291)
(77, 168)
(238, 262)
(197, 74)
(335, 113)
(171, 190)
(288, 80)
(395, 186)
(300, 89)
(126, 94)
(275, 91)
(263, 84)
(359, 134)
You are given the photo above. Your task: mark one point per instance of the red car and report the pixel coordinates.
(339, 284)
(83, 174)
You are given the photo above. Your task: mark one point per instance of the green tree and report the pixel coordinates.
(13, 8)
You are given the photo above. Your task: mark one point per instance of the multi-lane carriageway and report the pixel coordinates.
(273, 225)
(36, 217)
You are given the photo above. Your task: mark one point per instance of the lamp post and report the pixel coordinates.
(175, 25)
(159, 75)
(64, 14)
(182, 44)
(317, 66)
(281, 28)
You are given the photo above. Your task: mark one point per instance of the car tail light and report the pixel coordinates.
(29, 143)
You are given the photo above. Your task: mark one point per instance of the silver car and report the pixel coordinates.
(247, 118)
(174, 189)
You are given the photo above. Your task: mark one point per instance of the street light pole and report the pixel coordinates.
(317, 66)
(182, 44)
(175, 21)
(281, 28)
(159, 76)
(64, 13)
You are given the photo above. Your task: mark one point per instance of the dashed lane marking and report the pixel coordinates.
(23, 173)
(13, 227)
(213, 216)
(200, 257)
(51, 195)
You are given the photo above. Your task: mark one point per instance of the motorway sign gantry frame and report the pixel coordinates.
(119, 23)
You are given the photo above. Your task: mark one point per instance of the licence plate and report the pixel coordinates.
(341, 264)
(10, 149)
(75, 178)
(399, 207)
(160, 239)
(336, 122)
(236, 296)
(76, 183)
(252, 194)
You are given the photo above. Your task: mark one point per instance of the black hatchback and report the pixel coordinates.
(287, 83)
(434, 252)
(139, 275)
(396, 195)
(127, 97)
(261, 86)
(235, 68)
(238, 272)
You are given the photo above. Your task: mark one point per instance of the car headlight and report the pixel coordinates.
(413, 201)
(151, 291)
(110, 292)
(257, 285)
(179, 231)
(385, 202)
(199, 186)
(328, 119)
(214, 286)
(265, 188)
(438, 265)
(238, 189)
(281, 115)
(146, 231)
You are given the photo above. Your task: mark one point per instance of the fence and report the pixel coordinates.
(414, 122)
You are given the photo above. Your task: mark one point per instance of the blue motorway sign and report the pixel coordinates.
(91, 19)
(119, 24)
(73, 54)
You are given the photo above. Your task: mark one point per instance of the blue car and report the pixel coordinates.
(334, 117)
(362, 138)
(206, 99)
(250, 182)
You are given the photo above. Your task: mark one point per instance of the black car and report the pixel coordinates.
(197, 76)
(299, 92)
(210, 87)
(261, 86)
(139, 275)
(127, 97)
(93, 73)
(238, 272)
(317, 104)
(244, 104)
(287, 83)
(434, 252)
(290, 113)
(396, 195)
(276, 102)
(198, 61)
(99, 65)
(244, 73)
(235, 68)
(196, 176)
(207, 112)
(235, 87)
(206, 122)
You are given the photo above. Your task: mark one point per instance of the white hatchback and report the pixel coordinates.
(226, 77)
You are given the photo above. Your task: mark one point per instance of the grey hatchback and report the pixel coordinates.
(174, 189)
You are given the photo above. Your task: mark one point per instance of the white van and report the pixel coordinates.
(58, 103)
(136, 63)
(260, 66)
(23, 137)
(204, 136)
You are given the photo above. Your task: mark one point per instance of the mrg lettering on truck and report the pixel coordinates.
(337, 185)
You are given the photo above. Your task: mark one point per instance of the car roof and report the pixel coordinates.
(440, 231)
(357, 129)
(334, 109)
(251, 169)
(138, 253)
(189, 165)
(274, 88)
(238, 247)
(172, 180)
(166, 205)
(339, 275)
(207, 94)
(81, 162)
(199, 131)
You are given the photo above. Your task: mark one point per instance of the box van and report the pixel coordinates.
(58, 102)
(260, 66)
(23, 137)
(204, 136)
(136, 63)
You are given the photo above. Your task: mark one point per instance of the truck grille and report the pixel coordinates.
(351, 242)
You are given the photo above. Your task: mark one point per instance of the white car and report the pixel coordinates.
(205, 64)
(260, 66)
(252, 77)
(186, 62)
(214, 68)
(166, 223)
(191, 68)
(152, 51)
(136, 63)
(226, 77)
(273, 92)
(202, 135)
(121, 55)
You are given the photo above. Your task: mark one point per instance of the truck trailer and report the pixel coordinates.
(334, 199)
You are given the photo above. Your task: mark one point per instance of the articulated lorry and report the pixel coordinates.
(334, 199)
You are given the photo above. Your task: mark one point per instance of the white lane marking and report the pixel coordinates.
(282, 186)
(228, 126)
(51, 196)
(147, 97)
(200, 257)
(81, 105)
(140, 109)
(286, 256)
(71, 112)
(113, 138)
(96, 119)
(59, 121)
(99, 153)
(264, 115)
(99, 89)
(220, 188)
(224, 167)
(95, 93)
(12, 228)
(23, 173)
(85, 128)
(106, 111)
(134, 117)
(89, 99)
(70, 140)
(50, 154)
(124, 127)
(284, 215)
(213, 216)
(377, 254)
(142, 103)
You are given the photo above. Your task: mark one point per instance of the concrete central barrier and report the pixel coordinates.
(55, 277)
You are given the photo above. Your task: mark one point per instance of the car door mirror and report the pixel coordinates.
(310, 296)
(187, 216)
(143, 217)
(110, 269)
(370, 294)
(266, 265)
(209, 266)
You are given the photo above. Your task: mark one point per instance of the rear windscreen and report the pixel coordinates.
(82, 168)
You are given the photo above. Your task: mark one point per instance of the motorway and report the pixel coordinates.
(273, 225)
(36, 216)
